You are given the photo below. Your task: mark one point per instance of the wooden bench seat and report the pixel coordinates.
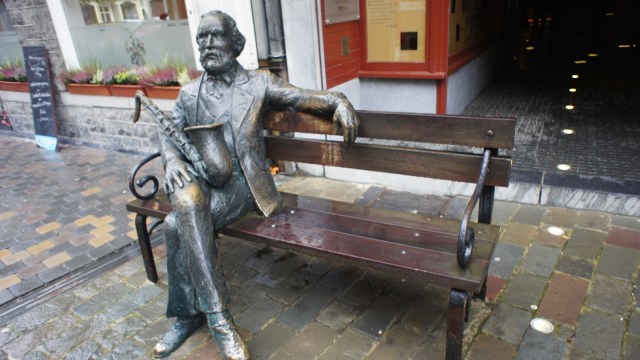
(423, 247)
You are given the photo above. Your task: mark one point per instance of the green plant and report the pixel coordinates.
(88, 74)
(13, 71)
(121, 75)
(170, 73)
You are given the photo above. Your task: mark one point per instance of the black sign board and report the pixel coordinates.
(42, 101)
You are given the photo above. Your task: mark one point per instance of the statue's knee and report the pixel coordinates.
(190, 197)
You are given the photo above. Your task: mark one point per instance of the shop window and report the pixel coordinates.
(129, 32)
(11, 49)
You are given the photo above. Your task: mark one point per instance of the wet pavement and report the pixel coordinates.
(585, 281)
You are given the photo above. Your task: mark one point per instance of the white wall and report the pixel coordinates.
(351, 89)
(465, 84)
(302, 43)
(398, 95)
(395, 95)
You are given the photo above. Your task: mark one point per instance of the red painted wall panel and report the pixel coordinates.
(341, 63)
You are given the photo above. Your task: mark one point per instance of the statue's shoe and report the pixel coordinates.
(179, 332)
(230, 344)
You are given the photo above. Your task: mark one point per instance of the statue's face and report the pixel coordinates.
(215, 44)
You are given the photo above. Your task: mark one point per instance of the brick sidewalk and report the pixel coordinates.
(58, 212)
(290, 306)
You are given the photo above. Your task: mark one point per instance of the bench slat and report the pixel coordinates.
(159, 207)
(437, 129)
(385, 216)
(417, 162)
(436, 240)
(432, 265)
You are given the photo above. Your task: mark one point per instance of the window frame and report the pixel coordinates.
(436, 43)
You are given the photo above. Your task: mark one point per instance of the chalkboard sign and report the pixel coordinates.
(42, 100)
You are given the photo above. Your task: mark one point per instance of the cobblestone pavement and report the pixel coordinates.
(59, 212)
(290, 306)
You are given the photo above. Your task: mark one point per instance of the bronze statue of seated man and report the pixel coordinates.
(209, 187)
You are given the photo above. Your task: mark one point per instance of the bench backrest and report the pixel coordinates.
(482, 132)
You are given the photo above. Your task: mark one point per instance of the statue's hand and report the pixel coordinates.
(176, 174)
(200, 169)
(346, 120)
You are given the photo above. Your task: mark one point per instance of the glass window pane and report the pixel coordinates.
(129, 32)
(9, 43)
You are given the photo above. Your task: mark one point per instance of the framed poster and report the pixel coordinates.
(396, 30)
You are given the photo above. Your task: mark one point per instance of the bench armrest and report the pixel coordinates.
(143, 180)
(467, 234)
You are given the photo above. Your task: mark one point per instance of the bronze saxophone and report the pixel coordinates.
(217, 156)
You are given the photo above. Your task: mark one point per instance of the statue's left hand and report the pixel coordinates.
(346, 121)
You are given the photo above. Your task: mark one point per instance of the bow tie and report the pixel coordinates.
(225, 78)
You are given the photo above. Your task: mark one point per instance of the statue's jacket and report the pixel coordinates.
(255, 91)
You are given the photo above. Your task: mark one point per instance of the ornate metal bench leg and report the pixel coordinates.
(482, 295)
(457, 314)
(145, 248)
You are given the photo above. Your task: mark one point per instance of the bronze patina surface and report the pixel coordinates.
(213, 180)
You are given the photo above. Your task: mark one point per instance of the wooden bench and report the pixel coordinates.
(432, 248)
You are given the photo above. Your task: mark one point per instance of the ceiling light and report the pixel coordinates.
(592, 55)
(575, 76)
(624, 46)
(569, 107)
(567, 131)
(529, 48)
(564, 167)
(573, 90)
(580, 62)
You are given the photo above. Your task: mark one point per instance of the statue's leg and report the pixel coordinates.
(228, 204)
(195, 224)
(181, 302)
(230, 344)
(196, 282)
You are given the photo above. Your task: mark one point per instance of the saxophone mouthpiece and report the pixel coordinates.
(137, 109)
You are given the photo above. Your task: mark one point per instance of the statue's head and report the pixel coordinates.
(219, 41)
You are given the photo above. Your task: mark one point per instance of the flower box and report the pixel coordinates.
(14, 86)
(162, 92)
(125, 90)
(88, 89)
